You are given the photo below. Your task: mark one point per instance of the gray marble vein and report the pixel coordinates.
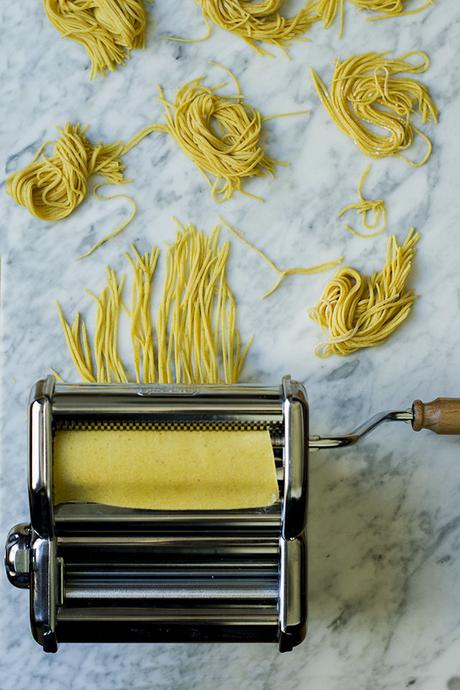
(384, 522)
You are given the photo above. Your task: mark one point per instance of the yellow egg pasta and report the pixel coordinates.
(328, 10)
(195, 337)
(359, 311)
(259, 22)
(282, 274)
(52, 187)
(389, 9)
(364, 207)
(373, 105)
(107, 29)
(221, 134)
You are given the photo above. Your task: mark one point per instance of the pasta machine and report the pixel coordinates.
(98, 573)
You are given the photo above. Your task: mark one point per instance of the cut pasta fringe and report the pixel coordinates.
(374, 108)
(195, 338)
(107, 29)
(328, 10)
(282, 274)
(365, 207)
(360, 311)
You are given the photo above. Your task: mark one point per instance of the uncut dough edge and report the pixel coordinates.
(165, 470)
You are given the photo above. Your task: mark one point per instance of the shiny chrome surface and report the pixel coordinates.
(295, 410)
(319, 442)
(111, 574)
(158, 590)
(41, 458)
(293, 607)
(44, 592)
(17, 556)
(89, 517)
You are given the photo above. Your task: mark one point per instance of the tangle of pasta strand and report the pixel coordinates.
(107, 29)
(364, 207)
(373, 106)
(359, 311)
(328, 10)
(259, 22)
(221, 134)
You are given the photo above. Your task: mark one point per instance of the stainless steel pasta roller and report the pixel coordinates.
(101, 573)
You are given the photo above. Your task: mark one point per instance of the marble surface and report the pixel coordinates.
(384, 523)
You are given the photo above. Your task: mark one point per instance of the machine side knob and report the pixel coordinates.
(17, 556)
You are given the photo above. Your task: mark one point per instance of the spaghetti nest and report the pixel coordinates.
(360, 311)
(221, 134)
(374, 107)
(389, 8)
(50, 188)
(108, 29)
(328, 10)
(259, 21)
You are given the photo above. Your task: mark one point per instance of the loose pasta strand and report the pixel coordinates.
(108, 361)
(365, 207)
(179, 39)
(328, 10)
(357, 311)
(142, 332)
(282, 274)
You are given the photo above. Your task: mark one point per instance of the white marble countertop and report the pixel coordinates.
(384, 522)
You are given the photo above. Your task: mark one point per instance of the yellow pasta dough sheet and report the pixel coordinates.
(165, 470)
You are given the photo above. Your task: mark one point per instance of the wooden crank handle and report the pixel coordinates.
(441, 415)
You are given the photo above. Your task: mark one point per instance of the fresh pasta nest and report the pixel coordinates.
(328, 10)
(221, 134)
(360, 311)
(390, 8)
(50, 188)
(259, 21)
(374, 107)
(108, 29)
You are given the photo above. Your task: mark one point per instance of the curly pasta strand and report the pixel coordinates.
(365, 207)
(282, 274)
